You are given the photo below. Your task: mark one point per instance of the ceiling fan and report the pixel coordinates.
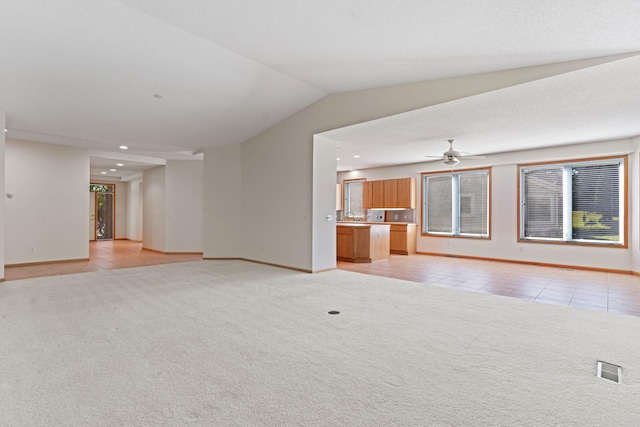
(452, 157)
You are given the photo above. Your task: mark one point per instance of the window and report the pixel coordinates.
(581, 201)
(353, 197)
(456, 204)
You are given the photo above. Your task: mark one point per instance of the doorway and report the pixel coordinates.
(101, 220)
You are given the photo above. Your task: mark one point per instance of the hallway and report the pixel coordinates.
(103, 255)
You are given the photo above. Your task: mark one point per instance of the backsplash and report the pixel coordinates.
(381, 215)
(375, 215)
(407, 215)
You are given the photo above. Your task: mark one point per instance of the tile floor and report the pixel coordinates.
(609, 292)
(103, 255)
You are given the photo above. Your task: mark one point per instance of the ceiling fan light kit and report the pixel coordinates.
(452, 157)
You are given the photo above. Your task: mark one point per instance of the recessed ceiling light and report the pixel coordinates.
(124, 147)
(120, 164)
(112, 170)
(338, 158)
(5, 129)
(356, 156)
(103, 173)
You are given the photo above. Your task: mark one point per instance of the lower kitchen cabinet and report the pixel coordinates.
(362, 242)
(402, 239)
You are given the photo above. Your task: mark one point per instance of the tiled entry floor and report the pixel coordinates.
(610, 292)
(103, 255)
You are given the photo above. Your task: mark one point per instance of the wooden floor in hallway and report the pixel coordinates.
(103, 255)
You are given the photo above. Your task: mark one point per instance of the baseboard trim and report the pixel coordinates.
(172, 253)
(541, 264)
(261, 262)
(29, 264)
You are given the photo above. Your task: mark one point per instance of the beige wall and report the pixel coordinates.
(184, 180)
(2, 201)
(277, 166)
(153, 217)
(47, 219)
(222, 192)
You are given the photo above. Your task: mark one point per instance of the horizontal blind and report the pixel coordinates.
(596, 202)
(439, 204)
(474, 200)
(543, 202)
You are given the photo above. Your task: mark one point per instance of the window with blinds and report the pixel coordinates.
(580, 201)
(456, 204)
(353, 198)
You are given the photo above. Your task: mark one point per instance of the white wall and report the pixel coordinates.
(2, 195)
(47, 219)
(153, 217)
(121, 210)
(324, 196)
(134, 210)
(222, 194)
(634, 202)
(503, 243)
(184, 205)
(277, 165)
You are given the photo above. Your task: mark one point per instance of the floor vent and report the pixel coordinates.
(609, 372)
(334, 312)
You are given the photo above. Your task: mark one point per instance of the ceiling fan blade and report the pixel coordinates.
(435, 157)
(473, 157)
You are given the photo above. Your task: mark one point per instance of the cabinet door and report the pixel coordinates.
(377, 194)
(344, 243)
(406, 194)
(390, 193)
(396, 241)
(367, 197)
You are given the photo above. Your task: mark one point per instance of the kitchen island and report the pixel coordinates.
(362, 242)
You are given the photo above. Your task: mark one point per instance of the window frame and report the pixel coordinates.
(456, 204)
(624, 198)
(345, 194)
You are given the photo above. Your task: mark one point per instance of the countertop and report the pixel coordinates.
(373, 223)
(360, 224)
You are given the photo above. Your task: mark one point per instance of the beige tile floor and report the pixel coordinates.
(103, 255)
(609, 292)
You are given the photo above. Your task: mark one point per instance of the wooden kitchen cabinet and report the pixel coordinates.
(377, 194)
(406, 193)
(362, 242)
(402, 239)
(389, 194)
(367, 195)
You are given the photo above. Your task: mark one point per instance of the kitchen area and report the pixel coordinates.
(375, 219)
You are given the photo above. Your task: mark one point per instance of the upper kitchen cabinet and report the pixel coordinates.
(377, 193)
(390, 194)
(407, 193)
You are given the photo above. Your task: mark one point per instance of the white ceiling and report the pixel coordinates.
(85, 73)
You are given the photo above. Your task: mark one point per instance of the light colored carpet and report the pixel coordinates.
(235, 343)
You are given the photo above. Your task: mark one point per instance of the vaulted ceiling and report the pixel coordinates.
(169, 78)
